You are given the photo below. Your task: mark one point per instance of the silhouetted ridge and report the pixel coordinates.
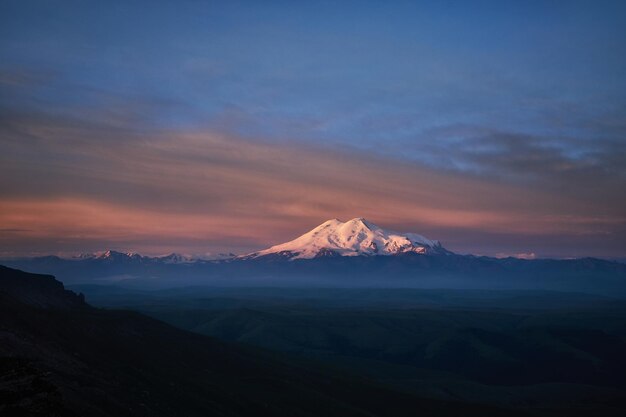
(42, 291)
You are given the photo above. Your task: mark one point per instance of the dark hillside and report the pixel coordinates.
(78, 360)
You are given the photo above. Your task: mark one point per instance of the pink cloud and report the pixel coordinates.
(204, 192)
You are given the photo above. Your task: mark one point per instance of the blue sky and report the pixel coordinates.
(531, 93)
(360, 73)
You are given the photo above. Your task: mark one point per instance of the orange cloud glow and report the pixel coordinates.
(202, 193)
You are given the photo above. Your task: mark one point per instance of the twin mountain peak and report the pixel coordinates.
(355, 237)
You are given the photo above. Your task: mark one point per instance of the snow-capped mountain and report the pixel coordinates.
(109, 256)
(175, 258)
(114, 255)
(356, 237)
(353, 253)
(172, 258)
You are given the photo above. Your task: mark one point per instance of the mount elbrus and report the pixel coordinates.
(356, 237)
(335, 253)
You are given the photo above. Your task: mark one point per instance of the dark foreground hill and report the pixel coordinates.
(545, 353)
(61, 357)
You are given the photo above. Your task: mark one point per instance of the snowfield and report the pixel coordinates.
(356, 237)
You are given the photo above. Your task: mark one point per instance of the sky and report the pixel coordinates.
(200, 127)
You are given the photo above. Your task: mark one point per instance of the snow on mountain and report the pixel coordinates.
(175, 258)
(356, 237)
(114, 255)
(172, 258)
(109, 255)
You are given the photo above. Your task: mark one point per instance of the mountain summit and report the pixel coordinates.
(356, 237)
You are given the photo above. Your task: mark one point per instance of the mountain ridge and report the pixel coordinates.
(355, 237)
(329, 239)
(336, 253)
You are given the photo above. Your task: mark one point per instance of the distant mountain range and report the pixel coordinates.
(335, 253)
(172, 258)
